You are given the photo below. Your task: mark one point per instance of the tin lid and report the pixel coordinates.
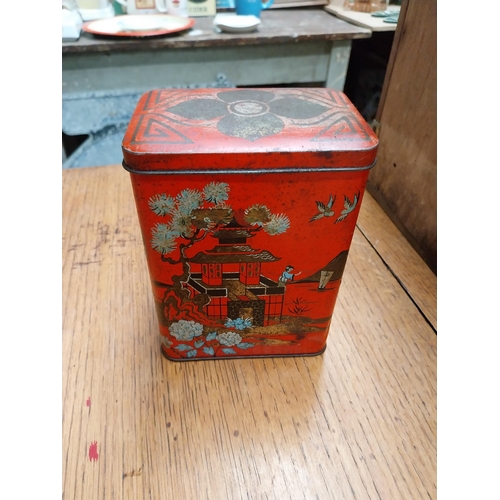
(212, 129)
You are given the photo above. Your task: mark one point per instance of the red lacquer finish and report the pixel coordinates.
(247, 201)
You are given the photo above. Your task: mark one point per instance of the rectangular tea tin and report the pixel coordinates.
(247, 201)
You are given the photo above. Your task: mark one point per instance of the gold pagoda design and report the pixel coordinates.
(231, 275)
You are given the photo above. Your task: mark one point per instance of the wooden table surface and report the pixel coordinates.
(291, 46)
(358, 422)
(278, 26)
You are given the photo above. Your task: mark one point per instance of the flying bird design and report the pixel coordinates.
(324, 210)
(348, 207)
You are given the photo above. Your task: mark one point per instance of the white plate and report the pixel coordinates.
(236, 24)
(138, 25)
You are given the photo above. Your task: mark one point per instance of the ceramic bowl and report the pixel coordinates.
(236, 24)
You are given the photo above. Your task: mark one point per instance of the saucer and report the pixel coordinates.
(231, 23)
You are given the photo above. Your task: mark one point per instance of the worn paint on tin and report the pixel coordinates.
(247, 201)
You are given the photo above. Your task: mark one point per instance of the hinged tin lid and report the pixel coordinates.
(209, 129)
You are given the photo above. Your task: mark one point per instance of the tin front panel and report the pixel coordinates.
(246, 264)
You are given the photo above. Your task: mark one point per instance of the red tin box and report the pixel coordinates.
(247, 201)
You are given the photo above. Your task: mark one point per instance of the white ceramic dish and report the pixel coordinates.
(236, 24)
(138, 25)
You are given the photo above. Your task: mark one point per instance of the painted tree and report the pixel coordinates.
(189, 217)
(193, 214)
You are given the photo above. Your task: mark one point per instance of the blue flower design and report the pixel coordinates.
(229, 338)
(248, 114)
(186, 330)
(238, 323)
(191, 333)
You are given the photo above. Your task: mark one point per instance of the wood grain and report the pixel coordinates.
(358, 422)
(405, 177)
(409, 268)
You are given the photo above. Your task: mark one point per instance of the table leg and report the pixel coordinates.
(338, 63)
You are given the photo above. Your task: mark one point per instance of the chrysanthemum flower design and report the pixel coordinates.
(238, 323)
(186, 330)
(248, 114)
(229, 338)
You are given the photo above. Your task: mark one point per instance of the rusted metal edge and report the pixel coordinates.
(307, 355)
(292, 170)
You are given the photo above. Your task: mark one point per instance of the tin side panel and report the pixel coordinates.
(246, 265)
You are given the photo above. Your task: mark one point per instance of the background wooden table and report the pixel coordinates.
(290, 46)
(358, 422)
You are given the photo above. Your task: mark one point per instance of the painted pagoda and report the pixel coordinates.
(230, 274)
